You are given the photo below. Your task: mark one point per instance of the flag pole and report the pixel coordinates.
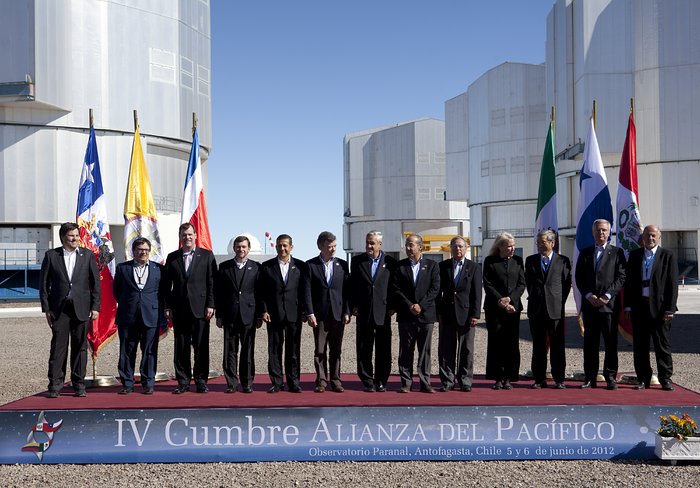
(194, 122)
(94, 361)
(595, 110)
(553, 115)
(632, 107)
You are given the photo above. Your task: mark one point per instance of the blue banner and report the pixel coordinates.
(331, 434)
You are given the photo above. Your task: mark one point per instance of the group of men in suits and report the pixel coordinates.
(285, 292)
(650, 282)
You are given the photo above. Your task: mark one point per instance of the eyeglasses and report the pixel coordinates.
(138, 249)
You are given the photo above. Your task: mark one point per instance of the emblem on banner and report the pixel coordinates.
(48, 428)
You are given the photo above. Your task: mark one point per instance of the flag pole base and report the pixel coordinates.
(100, 381)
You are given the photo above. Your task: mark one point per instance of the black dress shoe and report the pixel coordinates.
(247, 389)
(80, 393)
(381, 388)
(181, 389)
(405, 389)
(295, 389)
(507, 385)
(667, 386)
(589, 384)
(641, 386)
(230, 390)
(148, 390)
(202, 389)
(320, 389)
(560, 385)
(275, 389)
(465, 389)
(498, 385)
(612, 385)
(53, 394)
(370, 389)
(427, 389)
(338, 389)
(126, 391)
(535, 386)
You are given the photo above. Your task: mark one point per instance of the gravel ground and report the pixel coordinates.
(25, 344)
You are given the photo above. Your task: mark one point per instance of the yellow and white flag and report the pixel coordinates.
(140, 217)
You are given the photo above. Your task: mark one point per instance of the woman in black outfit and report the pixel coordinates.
(504, 284)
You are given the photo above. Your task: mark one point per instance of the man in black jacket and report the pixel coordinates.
(416, 285)
(459, 309)
(189, 303)
(548, 277)
(281, 304)
(600, 275)
(651, 293)
(234, 291)
(69, 290)
(370, 278)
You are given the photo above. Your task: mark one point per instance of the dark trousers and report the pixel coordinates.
(597, 324)
(239, 335)
(412, 334)
(369, 337)
(456, 354)
(542, 328)
(191, 333)
(503, 346)
(645, 326)
(131, 336)
(285, 336)
(66, 327)
(328, 345)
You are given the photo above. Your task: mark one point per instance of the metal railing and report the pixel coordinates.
(21, 258)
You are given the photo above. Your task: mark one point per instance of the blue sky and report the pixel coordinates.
(291, 78)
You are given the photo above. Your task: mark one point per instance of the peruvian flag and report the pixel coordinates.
(91, 217)
(629, 223)
(194, 209)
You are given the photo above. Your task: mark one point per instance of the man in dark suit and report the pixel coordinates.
(416, 285)
(281, 295)
(138, 289)
(327, 310)
(600, 275)
(69, 290)
(459, 306)
(651, 293)
(548, 277)
(189, 303)
(234, 290)
(370, 277)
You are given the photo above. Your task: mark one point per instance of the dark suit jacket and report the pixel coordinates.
(459, 303)
(195, 291)
(663, 283)
(234, 301)
(54, 284)
(319, 297)
(129, 298)
(498, 283)
(284, 302)
(609, 278)
(424, 293)
(371, 298)
(547, 293)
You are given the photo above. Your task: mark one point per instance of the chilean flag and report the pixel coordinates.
(194, 209)
(91, 217)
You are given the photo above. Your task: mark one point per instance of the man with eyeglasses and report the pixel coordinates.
(139, 294)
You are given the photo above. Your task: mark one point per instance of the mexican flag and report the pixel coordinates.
(547, 196)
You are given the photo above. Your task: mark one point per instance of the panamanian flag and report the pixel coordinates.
(594, 200)
(547, 195)
(91, 217)
(194, 209)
